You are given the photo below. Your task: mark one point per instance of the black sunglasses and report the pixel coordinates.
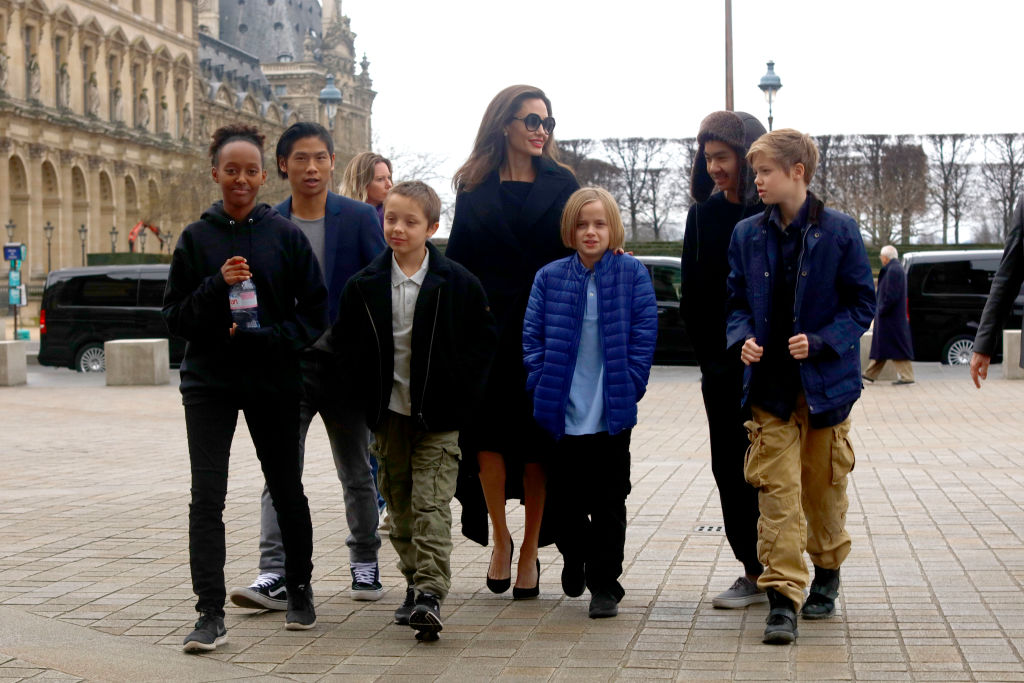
(534, 121)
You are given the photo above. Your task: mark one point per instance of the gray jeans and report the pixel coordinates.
(350, 440)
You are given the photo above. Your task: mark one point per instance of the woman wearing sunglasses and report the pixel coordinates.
(510, 196)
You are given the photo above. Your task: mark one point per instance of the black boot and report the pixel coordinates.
(426, 616)
(404, 610)
(821, 603)
(780, 626)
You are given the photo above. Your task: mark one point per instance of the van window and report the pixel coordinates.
(667, 283)
(960, 277)
(99, 290)
(151, 289)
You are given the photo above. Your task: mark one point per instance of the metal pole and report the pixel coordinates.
(49, 266)
(769, 110)
(728, 56)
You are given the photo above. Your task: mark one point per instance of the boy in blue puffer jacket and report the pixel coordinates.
(588, 342)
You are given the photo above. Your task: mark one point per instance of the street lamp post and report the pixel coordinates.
(83, 232)
(10, 230)
(769, 85)
(330, 97)
(48, 230)
(142, 241)
(169, 241)
(113, 239)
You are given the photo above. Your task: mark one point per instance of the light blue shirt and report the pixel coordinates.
(584, 413)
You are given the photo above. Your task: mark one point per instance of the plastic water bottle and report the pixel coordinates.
(244, 309)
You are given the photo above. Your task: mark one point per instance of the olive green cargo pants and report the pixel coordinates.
(801, 475)
(417, 476)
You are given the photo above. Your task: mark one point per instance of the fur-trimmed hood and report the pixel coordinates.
(737, 129)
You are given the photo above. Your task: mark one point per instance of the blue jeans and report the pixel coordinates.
(350, 439)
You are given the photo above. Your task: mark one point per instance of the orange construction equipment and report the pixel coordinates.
(139, 227)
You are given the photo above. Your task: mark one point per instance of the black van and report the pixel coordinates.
(946, 293)
(84, 307)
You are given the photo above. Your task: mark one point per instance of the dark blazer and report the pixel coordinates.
(1005, 287)
(891, 338)
(453, 342)
(352, 239)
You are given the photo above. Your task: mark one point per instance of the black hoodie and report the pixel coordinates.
(709, 225)
(292, 306)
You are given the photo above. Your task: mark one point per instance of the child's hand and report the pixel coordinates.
(235, 269)
(799, 347)
(751, 352)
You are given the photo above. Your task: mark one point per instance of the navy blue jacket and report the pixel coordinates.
(891, 337)
(628, 315)
(835, 299)
(352, 239)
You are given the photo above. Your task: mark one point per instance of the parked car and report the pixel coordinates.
(674, 346)
(946, 293)
(84, 307)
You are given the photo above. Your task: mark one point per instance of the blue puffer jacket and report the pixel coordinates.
(628, 317)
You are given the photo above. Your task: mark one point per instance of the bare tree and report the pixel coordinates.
(663, 194)
(949, 174)
(1002, 172)
(905, 183)
(590, 171)
(828, 146)
(877, 221)
(633, 157)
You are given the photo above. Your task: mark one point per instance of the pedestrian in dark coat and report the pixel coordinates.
(510, 195)
(1005, 287)
(722, 184)
(890, 341)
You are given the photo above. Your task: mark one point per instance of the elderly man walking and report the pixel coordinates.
(891, 341)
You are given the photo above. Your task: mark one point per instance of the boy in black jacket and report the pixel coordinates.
(415, 337)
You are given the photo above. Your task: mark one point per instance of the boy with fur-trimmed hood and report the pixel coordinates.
(722, 184)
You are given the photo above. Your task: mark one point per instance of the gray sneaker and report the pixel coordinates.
(741, 593)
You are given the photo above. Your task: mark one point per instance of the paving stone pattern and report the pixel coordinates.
(94, 559)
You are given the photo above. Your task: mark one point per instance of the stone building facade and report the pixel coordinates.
(106, 108)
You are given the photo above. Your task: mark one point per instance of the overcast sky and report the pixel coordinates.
(656, 67)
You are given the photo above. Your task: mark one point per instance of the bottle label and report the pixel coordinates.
(244, 299)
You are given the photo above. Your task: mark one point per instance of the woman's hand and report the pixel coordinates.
(235, 270)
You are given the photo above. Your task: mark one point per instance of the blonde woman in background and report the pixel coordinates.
(367, 178)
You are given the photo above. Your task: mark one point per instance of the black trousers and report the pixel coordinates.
(274, 428)
(722, 387)
(588, 484)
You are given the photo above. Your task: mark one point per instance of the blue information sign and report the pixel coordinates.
(12, 251)
(14, 279)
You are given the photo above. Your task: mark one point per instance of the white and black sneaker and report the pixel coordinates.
(366, 581)
(268, 591)
(208, 634)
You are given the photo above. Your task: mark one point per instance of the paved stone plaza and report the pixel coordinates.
(94, 580)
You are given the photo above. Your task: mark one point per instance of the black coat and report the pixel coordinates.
(453, 340)
(891, 337)
(506, 256)
(1005, 288)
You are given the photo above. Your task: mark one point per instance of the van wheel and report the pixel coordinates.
(958, 350)
(91, 358)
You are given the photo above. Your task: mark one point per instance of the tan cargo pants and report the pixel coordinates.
(800, 474)
(904, 369)
(416, 477)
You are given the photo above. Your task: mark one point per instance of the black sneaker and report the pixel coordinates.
(268, 591)
(603, 605)
(301, 613)
(209, 633)
(780, 626)
(366, 581)
(426, 616)
(821, 602)
(574, 577)
(405, 609)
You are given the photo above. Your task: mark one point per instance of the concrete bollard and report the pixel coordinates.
(1011, 355)
(13, 371)
(137, 361)
(3, 329)
(888, 372)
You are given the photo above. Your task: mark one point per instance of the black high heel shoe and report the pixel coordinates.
(502, 585)
(528, 593)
